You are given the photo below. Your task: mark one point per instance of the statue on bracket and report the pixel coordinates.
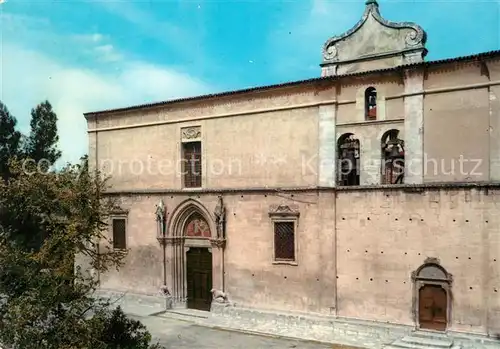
(161, 217)
(220, 219)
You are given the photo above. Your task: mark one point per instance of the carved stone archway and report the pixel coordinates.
(431, 278)
(191, 228)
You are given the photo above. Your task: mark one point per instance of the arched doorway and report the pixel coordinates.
(195, 256)
(432, 296)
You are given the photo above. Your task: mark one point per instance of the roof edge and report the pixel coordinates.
(473, 57)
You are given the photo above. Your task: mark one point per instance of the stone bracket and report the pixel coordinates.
(219, 243)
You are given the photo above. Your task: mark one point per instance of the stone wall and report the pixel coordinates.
(356, 248)
(383, 236)
(252, 279)
(380, 236)
(251, 276)
(274, 143)
(461, 153)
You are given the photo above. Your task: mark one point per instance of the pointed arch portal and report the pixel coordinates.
(194, 263)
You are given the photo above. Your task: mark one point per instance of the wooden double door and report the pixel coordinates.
(199, 278)
(433, 308)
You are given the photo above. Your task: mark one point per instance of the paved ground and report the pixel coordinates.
(179, 334)
(174, 333)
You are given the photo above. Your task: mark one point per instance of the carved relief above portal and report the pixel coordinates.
(197, 226)
(191, 133)
(284, 210)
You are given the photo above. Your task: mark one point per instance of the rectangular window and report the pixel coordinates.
(284, 241)
(119, 231)
(191, 164)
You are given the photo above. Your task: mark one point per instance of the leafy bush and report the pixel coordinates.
(47, 222)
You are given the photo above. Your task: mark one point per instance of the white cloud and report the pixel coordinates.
(107, 53)
(28, 76)
(89, 38)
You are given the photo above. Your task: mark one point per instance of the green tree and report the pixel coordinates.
(9, 140)
(43, 138)
(45, 302)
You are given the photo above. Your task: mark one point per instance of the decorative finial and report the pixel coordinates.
(371, 2)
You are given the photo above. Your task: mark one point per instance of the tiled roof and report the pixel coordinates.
(299, 82)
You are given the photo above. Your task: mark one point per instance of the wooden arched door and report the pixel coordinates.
(432, 295)
(199, 278)
(433, 307)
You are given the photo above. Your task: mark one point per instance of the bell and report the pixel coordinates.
(394, 152)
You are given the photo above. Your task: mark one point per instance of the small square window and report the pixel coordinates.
(284, 241)
(119, 233)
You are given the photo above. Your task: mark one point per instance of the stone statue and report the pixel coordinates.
(220, 218)
(164, 291)
(219, 296)
(160, 215)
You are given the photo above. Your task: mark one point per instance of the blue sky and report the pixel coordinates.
(90, 55)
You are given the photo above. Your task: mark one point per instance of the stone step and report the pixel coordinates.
(429, 334)
(423, 340)
(190, 315)
(403, 345)
(430, 342)
(400, 344)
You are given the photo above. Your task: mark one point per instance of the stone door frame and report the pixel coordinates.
(186, 250)
(431, 273)
(180, 245)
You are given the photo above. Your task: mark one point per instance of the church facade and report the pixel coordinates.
(368, 195)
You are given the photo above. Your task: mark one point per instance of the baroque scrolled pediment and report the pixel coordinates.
(374, 36)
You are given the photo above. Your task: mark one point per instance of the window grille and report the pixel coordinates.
(192, 164)
(119, 237)
(284, 241)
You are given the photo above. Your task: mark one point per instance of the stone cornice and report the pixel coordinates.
(239, 191)
(491, 55)
(297, 106)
